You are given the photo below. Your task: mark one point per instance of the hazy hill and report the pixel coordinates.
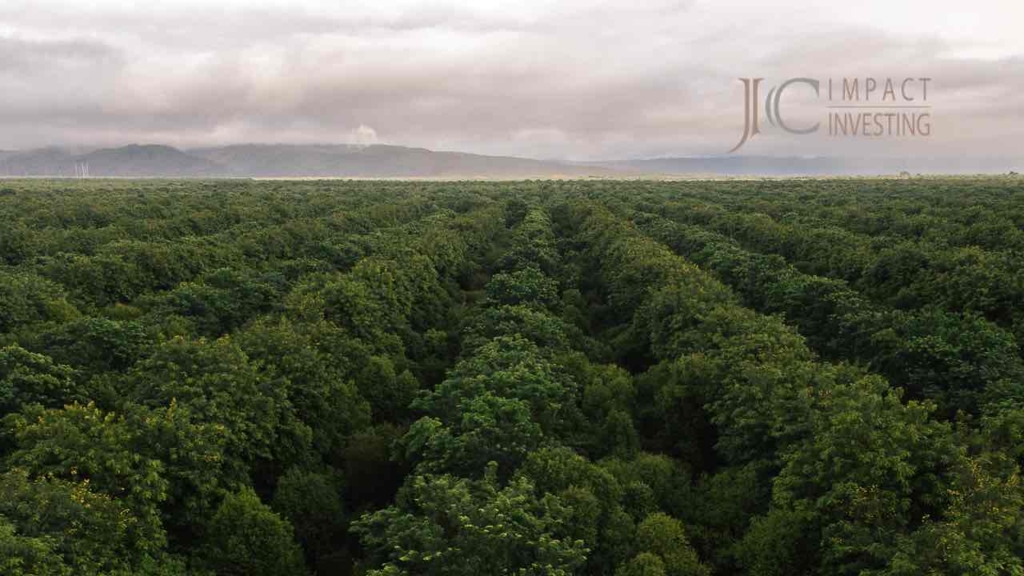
(382, 161)
(128, 161)
(378, 161)
(271, 160)
(41, 162)
(148, 161)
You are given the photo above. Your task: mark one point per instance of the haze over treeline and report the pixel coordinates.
(387, 161)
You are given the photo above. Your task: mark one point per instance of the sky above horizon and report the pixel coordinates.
(574, 79)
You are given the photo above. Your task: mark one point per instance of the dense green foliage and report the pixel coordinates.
(533, 378)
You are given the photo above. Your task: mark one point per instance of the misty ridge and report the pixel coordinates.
(392, 161)
(276, 161)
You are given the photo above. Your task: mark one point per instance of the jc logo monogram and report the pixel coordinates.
(772, 104)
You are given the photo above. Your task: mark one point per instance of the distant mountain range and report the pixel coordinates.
(385, 161)
(283, 161)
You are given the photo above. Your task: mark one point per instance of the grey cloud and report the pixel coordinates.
(580, 80)
(32, 56)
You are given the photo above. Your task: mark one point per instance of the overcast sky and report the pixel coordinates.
(571, 79)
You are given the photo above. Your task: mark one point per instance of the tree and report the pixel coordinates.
(27, 378)
(83, 445)
(219, 386)
(28, 298)
(246, 538)
(869, 468)
(388, 392)
(643, 564)
(97, 345)
(59, 526)
(662, 536)
(492, 429)
(508, 367)
(526, 286)
(601, 512)
(26, 555)
(458, 527)
(316, 383)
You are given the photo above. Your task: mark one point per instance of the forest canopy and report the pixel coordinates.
(532, 378)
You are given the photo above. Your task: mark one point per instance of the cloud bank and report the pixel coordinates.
(570, 80)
